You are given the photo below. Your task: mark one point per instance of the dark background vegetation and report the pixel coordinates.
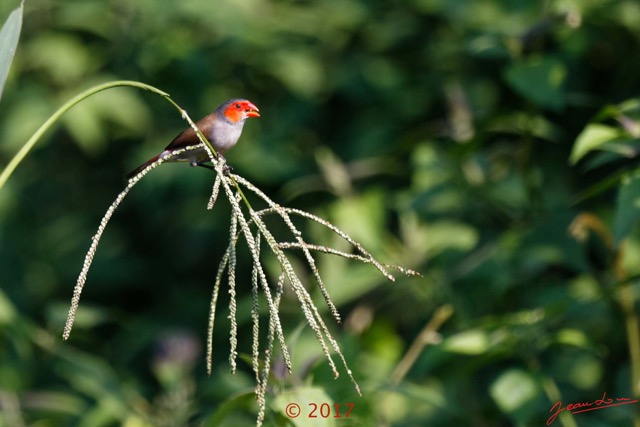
(438, 133)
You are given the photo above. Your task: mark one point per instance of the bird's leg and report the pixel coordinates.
(226, 169)
(202, 165)
(194, 163)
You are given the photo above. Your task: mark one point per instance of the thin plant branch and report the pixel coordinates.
(231, 269)
(428, 335)
(579, 228)
(332, 251)
(261, 388)
(255, 317)
(82, 278)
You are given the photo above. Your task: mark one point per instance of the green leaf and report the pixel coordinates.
(592, 138)
(627, 206)
(228, 407)
(515, 392)
(630, 106)
(474, 342)
(7, 309)
(9, 36)
(541, 81)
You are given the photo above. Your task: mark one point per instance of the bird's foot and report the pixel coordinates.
(226, 168)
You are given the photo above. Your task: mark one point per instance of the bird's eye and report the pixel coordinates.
(238, 106)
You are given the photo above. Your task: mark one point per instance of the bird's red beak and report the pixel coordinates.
(251, 110)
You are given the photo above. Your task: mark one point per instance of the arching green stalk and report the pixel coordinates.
(28, 146)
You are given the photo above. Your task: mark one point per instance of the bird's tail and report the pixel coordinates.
(139, 169)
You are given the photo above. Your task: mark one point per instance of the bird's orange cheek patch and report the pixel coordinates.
(233, 114)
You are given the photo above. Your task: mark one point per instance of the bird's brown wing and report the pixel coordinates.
(185, 139)
(188, 137)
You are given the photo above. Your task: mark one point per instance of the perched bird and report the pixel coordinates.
(222, 128)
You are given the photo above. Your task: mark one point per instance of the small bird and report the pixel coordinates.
(222, 128)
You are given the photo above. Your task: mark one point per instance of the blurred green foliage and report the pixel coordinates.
(492, 145)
